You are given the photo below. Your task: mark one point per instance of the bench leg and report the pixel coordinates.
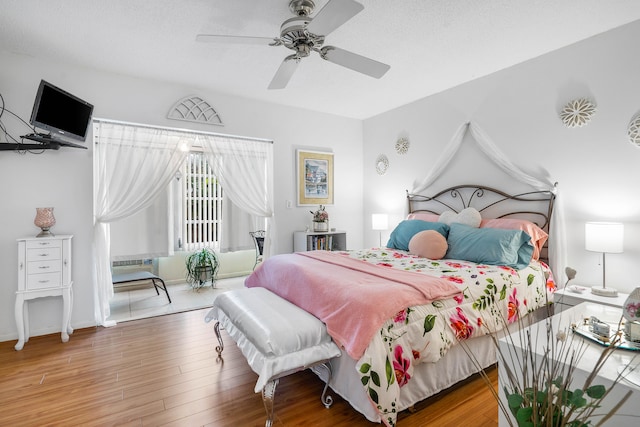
(268, 392)
(326, 400)
(220, 347)
(162, 286)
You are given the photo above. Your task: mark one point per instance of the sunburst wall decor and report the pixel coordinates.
(634, 130)
(382, 164)
(578, 112)
(402, 146)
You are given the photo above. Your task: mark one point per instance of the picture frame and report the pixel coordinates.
(315, 177)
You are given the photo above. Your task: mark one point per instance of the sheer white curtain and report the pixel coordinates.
(245, 170)
(557, 244)
(132, 165)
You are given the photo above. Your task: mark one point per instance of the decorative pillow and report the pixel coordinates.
(467, 216)
(492, 246)
(404, 231)
(538, 235)
(428, 244)
(425, 216)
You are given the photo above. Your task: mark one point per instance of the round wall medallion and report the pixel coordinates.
(382, 164)
(634, 130)
(577, 112)
(402, 146)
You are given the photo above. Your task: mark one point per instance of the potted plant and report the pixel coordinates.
(320, 219)
(539, 387)
(202, 267)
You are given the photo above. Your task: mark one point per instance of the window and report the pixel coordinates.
(201, 204)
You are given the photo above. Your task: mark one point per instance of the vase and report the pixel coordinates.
(45, 220)
(320, 226)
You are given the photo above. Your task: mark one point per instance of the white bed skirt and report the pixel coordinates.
(428, 378)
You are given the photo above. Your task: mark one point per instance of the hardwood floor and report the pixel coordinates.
(163, 371)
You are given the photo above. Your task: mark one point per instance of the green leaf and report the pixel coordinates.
(577, 400)
(524, 415)
(391, 376)
(596, 391)
(364, 380)
(515, 400)
(429, 323)
(373, 395)
(364, 368)
(375, 378)
(503, 292)
(530, 279)
(558, 382)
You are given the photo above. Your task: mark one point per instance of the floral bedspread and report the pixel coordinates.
(491, 295)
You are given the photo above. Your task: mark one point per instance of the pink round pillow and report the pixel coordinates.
(428, 244)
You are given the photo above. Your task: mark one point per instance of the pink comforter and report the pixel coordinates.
(354, 301)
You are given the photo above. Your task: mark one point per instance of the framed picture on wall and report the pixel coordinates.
(315, 178)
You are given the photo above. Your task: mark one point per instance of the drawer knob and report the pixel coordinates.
(44, 267)
(43, 281)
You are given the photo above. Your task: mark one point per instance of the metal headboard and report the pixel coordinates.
(535, 206)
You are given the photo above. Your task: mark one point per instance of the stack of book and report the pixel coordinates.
(322, 243)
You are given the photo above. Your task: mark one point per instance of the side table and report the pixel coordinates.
(566, 298)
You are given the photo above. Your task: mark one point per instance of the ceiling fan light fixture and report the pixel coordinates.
(302, 7)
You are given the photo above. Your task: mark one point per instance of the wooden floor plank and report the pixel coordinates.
(163, 371)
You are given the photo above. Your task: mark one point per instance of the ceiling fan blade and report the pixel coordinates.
(211, 38)
(332, 15)
(354, 61)
(284, 73)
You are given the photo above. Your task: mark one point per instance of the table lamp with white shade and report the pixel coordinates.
(380, 222)
(605, 237)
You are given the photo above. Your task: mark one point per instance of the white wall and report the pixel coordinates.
(63, 179)
(596, 166)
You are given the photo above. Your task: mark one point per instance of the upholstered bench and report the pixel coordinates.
(276, 337)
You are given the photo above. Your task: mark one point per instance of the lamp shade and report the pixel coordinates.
(379, 221)
(606, 237)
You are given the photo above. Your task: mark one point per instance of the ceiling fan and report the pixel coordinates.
(304, 34)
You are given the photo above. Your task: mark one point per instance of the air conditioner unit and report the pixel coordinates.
(133, 265)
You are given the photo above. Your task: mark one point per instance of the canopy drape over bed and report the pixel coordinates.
(557, 245)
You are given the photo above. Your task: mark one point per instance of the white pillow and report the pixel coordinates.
(467, 216)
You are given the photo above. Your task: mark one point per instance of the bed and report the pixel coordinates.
(408, 351)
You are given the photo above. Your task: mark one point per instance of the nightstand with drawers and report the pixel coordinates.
(44, 270)
(566, 298)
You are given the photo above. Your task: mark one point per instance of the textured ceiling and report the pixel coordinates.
(431, 45)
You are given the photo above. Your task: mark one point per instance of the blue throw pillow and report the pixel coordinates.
(403, 233)
(493, 246)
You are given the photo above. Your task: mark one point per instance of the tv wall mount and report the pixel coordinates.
(44, 142)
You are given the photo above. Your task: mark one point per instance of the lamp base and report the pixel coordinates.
(45, 233)
(604, 292)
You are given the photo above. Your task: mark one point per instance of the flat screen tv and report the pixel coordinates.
(61, 113)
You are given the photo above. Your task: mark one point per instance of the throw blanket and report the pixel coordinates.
(353, 298)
